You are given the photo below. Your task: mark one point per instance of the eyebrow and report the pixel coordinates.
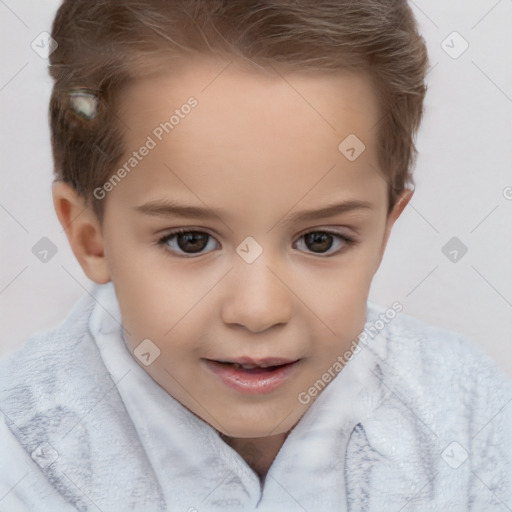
(168, 208)
(173, 208)
(327, 211)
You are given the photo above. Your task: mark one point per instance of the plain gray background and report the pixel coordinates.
(463, 177)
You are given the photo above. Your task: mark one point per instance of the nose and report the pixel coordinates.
(257, 297)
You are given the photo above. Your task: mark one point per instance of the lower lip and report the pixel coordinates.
(251, 382)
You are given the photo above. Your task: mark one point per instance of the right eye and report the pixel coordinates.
(189, 242)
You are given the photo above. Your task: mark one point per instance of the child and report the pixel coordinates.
(228, 174)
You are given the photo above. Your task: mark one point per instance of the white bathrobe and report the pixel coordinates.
(420, 419)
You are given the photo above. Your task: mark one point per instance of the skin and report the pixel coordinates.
(261, 150)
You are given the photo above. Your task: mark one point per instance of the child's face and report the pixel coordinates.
(260, 150)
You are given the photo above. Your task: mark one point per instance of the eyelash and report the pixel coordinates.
(162, 242)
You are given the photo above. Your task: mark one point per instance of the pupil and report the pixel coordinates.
(193, 241)
(322, 241)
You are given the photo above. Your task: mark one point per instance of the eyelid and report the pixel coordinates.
(336, 230)
(177, 231)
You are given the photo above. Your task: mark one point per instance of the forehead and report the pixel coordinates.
(250, 129)
(332, 101)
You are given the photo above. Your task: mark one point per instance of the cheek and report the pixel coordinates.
(345, 308)
(157, 302)
(136, 283)
(340, 298)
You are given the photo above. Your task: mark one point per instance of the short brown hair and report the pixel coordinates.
(102, 44)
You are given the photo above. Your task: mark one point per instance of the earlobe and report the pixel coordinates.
(83, 231)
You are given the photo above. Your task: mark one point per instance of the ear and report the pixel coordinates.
(83, 230)
(400, 204)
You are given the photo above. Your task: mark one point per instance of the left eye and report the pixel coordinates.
(320, 242)
(195, 242)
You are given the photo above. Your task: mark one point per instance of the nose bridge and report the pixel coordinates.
(257, 298)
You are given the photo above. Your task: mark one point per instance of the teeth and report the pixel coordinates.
(248, 366)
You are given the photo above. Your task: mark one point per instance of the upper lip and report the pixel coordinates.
(262, 363)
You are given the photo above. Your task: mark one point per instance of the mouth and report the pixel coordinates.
(250, 376)
(248, 363)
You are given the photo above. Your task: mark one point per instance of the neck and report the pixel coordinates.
(258, 452)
